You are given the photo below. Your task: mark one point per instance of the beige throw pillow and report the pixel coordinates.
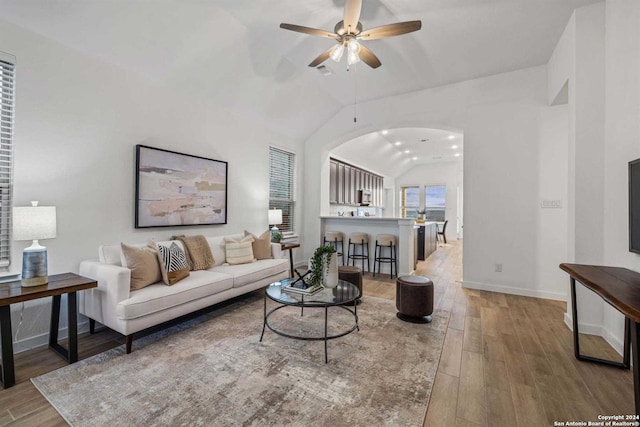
(143, 263)
(239, 251)
(173, 263)
(261, 245)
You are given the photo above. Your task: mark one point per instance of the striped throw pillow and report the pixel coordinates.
(239, 251)
(173, 263)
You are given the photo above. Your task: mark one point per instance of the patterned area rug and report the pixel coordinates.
(214, 371)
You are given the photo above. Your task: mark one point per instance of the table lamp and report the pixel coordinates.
(275, 218)
(34, 223)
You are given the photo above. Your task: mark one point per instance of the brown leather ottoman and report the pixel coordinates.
(414, 299)
(351, 274)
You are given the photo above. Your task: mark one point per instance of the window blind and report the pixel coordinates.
(409, 202)
(7, 88)
(282, 187)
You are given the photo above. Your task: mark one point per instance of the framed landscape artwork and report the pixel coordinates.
(175, 189)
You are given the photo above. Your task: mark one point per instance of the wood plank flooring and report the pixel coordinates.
(506, 361)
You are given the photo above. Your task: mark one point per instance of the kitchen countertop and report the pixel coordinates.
(373, 218)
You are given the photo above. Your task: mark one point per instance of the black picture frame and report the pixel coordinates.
(176, 189)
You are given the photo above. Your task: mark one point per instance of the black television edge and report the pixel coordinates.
(634, 206)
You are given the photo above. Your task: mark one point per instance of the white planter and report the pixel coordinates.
(330, 275)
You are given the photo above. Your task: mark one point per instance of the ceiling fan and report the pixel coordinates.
(348, 33)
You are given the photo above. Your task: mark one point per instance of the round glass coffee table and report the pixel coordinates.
(339, 296)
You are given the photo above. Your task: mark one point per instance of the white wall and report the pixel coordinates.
(552, 230)
(622, 136)
(500, 118)
(448, 174)
(77, 123)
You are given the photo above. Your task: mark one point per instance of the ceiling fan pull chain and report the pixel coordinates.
(355, 92)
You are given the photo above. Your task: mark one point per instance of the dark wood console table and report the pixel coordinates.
(620, 287)
(289, 247)
(59, 284)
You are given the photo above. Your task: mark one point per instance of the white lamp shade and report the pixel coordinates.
(34, 222)
(275, 216)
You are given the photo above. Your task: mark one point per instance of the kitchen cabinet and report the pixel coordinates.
(333, 182)
(341, 183)
(345, 180)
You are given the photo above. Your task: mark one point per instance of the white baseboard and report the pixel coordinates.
(585, 328)
(558, 296)
(43, 339)
(590, 329)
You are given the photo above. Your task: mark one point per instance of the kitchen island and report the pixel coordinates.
(403, 228)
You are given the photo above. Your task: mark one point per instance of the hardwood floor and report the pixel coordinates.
(506, 361)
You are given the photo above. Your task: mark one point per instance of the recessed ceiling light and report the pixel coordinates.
(454, 147)
(407, 151)
(451, 137)
(414, 158)
(384, 132)
(457, 154)
(397, 143)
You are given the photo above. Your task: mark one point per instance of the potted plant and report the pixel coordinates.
(421, 214)
(324, 266)
(276, 236)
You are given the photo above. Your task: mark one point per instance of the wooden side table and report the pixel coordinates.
(289, 247)
(59, 284)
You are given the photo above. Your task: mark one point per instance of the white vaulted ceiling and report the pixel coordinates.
(232, 52)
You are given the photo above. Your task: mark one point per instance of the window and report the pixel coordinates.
(7, 79)
(409, 202)
(282, 192)
(434, 201)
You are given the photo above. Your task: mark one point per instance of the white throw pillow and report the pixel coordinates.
(239, 251)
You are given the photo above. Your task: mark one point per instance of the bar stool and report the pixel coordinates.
(388, 241)
(361, 240)
(333, 238)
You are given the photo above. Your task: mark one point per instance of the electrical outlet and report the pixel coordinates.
(498, 268)
(552, 204)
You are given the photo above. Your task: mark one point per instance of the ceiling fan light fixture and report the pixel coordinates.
(337, 52)
(354, 46)
(352, 57)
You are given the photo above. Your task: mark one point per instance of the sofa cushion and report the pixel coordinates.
(245, 274)
(158, 297)
(112, 254)
(218, 249)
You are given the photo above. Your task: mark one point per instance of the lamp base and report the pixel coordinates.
(35, 281)
(34, 267)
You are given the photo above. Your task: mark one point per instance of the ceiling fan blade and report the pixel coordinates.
(352, 14)
(321, 58)
(391, 30)
(308, 30)
(368, 57)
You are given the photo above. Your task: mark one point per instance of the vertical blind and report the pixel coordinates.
(282, 187)
(7, 87)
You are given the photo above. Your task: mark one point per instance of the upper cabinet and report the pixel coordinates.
(345, 180)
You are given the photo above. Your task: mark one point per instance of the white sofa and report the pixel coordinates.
(127, 312)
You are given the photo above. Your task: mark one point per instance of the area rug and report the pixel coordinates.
(214, 371)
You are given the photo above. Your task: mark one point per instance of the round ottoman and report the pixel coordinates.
(351, 274)
(414, 299)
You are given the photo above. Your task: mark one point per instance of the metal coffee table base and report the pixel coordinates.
(324, 338)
